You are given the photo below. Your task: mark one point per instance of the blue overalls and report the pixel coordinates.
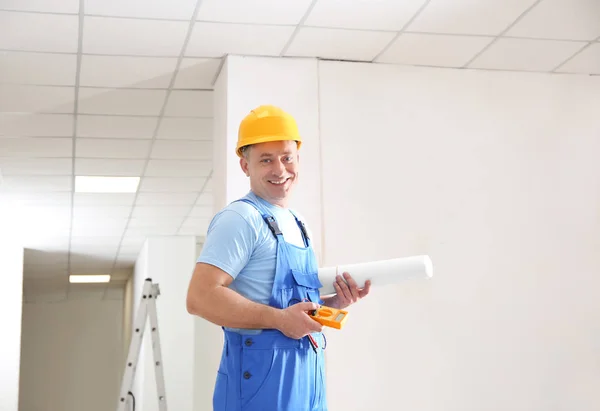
(270, 371)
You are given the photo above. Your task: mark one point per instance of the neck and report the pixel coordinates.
(281, 203)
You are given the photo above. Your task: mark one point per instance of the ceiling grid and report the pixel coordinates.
(124, 87)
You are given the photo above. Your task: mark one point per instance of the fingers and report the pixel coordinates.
(306, 306)
(353, 287)
(362, 293)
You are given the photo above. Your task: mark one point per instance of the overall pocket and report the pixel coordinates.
(220, 394)
(256, 369)
(305, 286)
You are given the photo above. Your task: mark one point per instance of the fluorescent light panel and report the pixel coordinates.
(96, 278)
(99, 184)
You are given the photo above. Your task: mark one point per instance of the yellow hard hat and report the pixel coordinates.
(267, 123)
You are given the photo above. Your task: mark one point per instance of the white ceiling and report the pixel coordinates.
(123, 87)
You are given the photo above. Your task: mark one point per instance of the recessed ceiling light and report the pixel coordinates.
(96, 278)
(98, 184)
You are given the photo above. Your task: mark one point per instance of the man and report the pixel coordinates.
(257, 277)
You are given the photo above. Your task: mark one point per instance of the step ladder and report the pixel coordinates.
(146, 308)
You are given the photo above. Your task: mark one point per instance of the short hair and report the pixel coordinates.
(245, 151)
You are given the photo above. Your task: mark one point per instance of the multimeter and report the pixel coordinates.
(330, 317)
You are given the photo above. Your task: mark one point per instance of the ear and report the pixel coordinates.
(244, 166)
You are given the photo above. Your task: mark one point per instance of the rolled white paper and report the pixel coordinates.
(380, 273)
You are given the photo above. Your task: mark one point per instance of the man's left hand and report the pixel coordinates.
(348, 291)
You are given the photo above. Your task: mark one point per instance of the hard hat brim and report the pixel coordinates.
(267, 139)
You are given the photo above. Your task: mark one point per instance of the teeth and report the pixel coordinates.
(278, 182)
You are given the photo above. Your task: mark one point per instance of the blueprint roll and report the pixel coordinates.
(382, 272)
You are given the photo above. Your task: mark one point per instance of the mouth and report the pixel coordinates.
(279, 182)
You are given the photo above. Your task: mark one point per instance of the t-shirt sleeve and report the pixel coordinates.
(229, 243)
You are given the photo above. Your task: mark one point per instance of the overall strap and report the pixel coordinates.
(305, 236)
(269, 219)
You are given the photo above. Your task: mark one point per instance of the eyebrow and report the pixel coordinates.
(285, 153)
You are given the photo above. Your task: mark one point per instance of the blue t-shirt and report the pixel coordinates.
(240, 243)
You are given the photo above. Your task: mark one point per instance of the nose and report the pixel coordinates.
(278, 168)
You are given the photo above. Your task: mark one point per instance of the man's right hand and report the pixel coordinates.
(296, 323)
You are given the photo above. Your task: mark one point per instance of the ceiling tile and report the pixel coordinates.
(156, 222)
(121, 101)
(29, 124)
(59, 216)
(24, 68)
(157, 212)
(29, 32)
(36, 147)
(341, 43)
(94, 263)
(111, 226)
(35, 99)
(133, 242)
(194, 226)
(99, 212)
(103, 251)
(35, 166)
(433, 49)
(85, 266)
(586, 62)
(202, 212)
(40, 125)
(112, 148)
(253, 11)
(190, 103)
(246, 39)
(38, 199)
(359, 14)
(484, 17)
(121, 71)
(108, 167)
(182, 150)
(116, 126)
(42, 227)
(45, 6)
(149, 231)
(560, 19)
(197, 73)
(171, 184)
(171, 199)
(152, 9)
(525, 54)
(102, 199)
(35, 184)
(104, 35)
(205, 199)
(186, 128)
(176, 168)
(95, 241)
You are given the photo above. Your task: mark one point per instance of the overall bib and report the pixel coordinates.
(270, 371)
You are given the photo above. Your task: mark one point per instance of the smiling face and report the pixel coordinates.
(273, 170)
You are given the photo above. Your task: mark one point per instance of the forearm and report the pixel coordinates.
(225, 307)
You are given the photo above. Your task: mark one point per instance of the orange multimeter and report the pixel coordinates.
(330, 317)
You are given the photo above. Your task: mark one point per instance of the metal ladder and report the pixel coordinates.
(147, 308)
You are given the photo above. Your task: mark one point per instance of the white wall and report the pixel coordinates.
(492, 174)
(11, 273)
(168, 261)
(71, 355)
(495, 175)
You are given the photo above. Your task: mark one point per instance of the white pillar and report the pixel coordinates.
(168, 261)
(11, 307)
(245, 83)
